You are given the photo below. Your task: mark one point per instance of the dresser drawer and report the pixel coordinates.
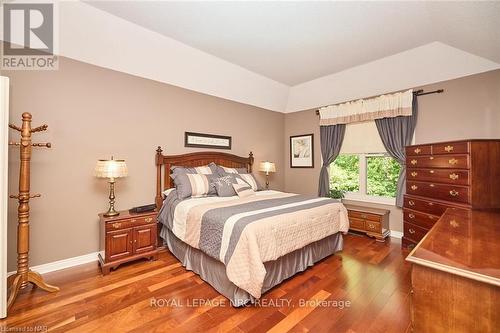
(439, 161)
(414, 232)
(356, 224)
(418, 150)
(363, 215)
(129, 223)
(455, 193)
(451, 148)
(448, 176)
(425, 206)
(420, 219)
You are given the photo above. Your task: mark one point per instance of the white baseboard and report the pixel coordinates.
(65, 263)
(396, 234)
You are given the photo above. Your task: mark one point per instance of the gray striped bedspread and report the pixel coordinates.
(243, 233)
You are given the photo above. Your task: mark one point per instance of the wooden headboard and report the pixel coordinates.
(193, 160)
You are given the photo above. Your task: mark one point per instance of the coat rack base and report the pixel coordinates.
(17, 282)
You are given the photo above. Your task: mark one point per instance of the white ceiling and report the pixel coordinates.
(295, 42)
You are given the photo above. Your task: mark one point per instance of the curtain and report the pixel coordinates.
(331, 138)
(397, 133)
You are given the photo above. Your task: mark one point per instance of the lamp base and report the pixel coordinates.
(111, 213)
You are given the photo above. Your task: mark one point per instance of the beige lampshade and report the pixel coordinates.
(267, 167)
(110, 169)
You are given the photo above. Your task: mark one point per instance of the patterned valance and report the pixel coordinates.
(383, 106)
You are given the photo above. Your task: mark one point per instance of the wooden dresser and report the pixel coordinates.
(455, 274)
(127, 237)
(463, 174)
(372, 221)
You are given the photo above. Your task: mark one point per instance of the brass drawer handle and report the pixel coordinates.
(417, 150)
(414, 187)
(431, 157)
(413, 162)
(448, 148)
(411, 203)
(430, 217)
(453, 176)
(117, 225)
(363, 216)
(414, 174)
(431, 171)
(148, 219)
(432, 185)
(411, 231)
(454, 193)
(453, 161)
(371, 226)
(454, 223)
(431, 203)
(133, 220)
(412, 216)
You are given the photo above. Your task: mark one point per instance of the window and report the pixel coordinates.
(363, 169)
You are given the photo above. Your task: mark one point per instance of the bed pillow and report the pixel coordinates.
(250, 180)
(194, 185)
(224, 185)
(224, 170)
(210, 168)
(243, 190)
(243, 173)
(168, 191)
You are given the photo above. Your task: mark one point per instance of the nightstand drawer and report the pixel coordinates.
(363, 215)
(373, 226)
(129, 223)
(356, 224)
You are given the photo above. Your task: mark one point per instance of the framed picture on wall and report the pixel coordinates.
(302, 151)
(202, 140)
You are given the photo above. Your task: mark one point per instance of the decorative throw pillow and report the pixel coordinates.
(250, 179)
(224, 185)
(194, 185)
(243, 190)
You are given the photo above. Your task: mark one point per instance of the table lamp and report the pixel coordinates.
(111, 169)
(267, 167)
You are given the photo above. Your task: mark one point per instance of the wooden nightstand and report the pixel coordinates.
(372, 221)
(127, 237)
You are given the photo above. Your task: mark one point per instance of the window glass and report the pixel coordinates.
(382, 174)
(344, 173)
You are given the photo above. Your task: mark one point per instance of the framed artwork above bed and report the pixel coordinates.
(203, 140)
(302, 151)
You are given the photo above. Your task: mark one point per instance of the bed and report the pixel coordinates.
(244, 246)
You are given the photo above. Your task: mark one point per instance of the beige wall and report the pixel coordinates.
(93, 113)
(469, 108)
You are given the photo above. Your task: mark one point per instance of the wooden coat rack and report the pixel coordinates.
(24, 275)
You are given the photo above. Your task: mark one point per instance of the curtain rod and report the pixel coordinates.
(419, 92)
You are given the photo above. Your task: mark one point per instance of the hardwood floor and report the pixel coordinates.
(160, 296)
